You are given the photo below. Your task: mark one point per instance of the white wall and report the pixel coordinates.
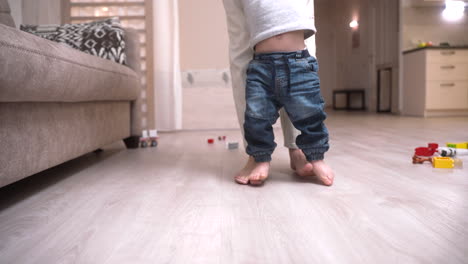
(207, 99)
(203, 35)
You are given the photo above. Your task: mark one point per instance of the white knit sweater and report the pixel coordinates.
(267, 18)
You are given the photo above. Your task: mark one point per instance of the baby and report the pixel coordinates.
(282, 74)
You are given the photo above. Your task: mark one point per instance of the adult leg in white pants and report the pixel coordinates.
(240, 55)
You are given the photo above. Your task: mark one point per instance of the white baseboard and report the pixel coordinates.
(206, 78)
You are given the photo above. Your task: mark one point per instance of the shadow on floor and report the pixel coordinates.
(22, 189)
(290, 176)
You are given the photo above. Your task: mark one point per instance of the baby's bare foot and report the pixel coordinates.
(299, 163)
(253, 172)
(323, 172)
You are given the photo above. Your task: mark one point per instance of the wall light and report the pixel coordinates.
(453, 10)
(354, 24)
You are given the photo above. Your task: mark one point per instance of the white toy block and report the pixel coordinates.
(153, 133)
(232, 145)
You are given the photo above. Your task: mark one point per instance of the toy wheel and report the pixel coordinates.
(154, 143)
(144, 144)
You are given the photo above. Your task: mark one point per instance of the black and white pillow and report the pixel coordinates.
(44, 31)
(103, 38)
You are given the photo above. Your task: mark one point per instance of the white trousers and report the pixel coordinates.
(240, 54)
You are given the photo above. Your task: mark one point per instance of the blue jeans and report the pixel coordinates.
(289, 80)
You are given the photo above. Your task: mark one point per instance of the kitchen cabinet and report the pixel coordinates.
(435, 81)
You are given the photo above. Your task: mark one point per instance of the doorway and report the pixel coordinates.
(384, 90)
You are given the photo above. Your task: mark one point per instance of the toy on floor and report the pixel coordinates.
(229, 145)
(149, 138)
(452, 152)
(458, 163)
(445, 160)
(433, 148)
(232, 145)
(439, 162)
(421, 160)
(463, 145)
(428, 151)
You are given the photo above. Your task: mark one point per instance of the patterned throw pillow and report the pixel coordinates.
(100, 38)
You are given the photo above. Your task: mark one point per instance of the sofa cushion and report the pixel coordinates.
(5, 17)
(103, 38)
(4, 6)
(34, 69)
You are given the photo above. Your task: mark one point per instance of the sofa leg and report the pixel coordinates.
(99, 150)
(132, 142)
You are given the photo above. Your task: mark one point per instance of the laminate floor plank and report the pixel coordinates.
(178, 203)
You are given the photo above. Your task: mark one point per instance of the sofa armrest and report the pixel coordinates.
(132, 50)
(5, 16)
(33, 69)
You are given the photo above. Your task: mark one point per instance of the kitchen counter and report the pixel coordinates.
(434, 48)
(435, 81)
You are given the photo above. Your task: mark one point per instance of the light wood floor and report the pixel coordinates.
(177, 203)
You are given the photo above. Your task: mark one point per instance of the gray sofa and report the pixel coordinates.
(58, 103)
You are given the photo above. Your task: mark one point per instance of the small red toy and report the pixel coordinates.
(426, 151)
(210, 141)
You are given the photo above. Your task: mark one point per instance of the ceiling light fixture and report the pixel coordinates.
(453, 10)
